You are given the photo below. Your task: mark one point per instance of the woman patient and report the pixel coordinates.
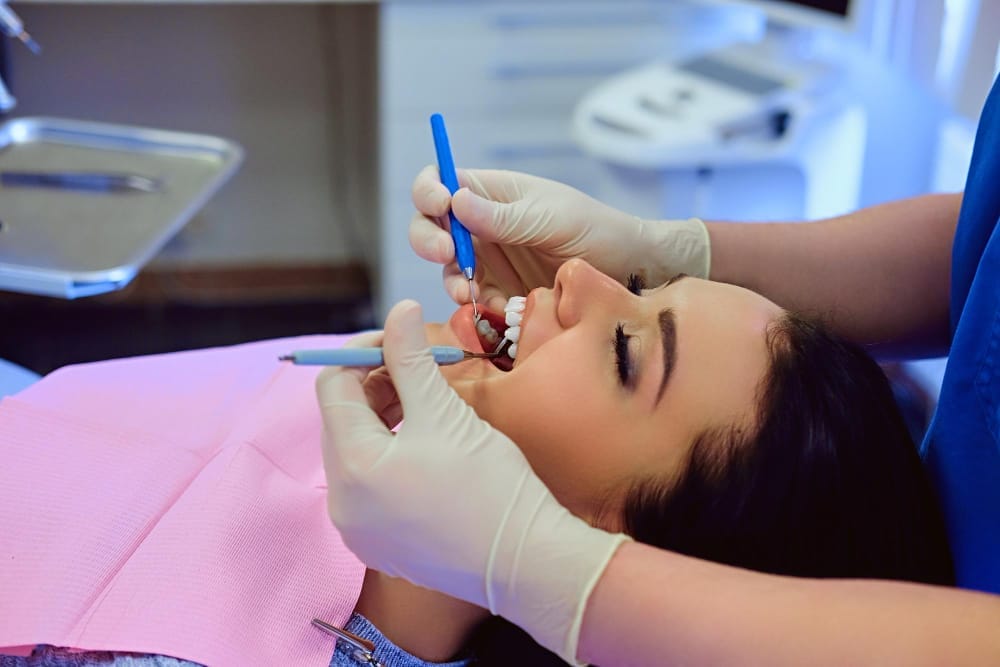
(694, 416)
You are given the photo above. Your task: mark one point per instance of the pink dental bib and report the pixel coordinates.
(173, 504)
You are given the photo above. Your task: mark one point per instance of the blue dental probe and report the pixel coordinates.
(464, 253)
(371, 357)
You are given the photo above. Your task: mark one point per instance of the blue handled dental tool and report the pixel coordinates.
(13, 26)
(371, 357)
(464, 253)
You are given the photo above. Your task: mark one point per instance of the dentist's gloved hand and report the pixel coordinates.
(525, 227)
(450, 503)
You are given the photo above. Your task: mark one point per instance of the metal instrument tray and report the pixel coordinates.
(72, 243)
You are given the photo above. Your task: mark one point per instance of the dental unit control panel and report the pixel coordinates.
(753, 131)
(698, 109)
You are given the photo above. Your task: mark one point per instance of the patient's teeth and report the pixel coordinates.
(484, 327)
(486, 330)
(515, 304)
(513, 314)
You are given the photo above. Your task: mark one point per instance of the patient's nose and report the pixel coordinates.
(583, 289)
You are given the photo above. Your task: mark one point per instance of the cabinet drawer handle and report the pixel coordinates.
(518, 72)
(536, 151)
(595, 20)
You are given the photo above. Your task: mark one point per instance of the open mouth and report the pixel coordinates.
(490, 341)
(475, 341)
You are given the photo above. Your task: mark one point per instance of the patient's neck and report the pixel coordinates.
(430, 625)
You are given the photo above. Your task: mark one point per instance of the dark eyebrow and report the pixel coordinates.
(668, 335)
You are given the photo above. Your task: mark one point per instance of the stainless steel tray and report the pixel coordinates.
(72, 243)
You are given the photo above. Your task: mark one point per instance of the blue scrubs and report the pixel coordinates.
(962, 447)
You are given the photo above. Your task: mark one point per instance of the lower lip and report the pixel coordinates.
(462, 324)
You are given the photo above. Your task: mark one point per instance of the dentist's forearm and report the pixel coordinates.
(653, 607)
(879, 276)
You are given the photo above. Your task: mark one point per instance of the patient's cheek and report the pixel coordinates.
(435, 333)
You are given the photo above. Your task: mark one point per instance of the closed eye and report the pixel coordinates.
(635, 283)
(623, 363)
(675, 279)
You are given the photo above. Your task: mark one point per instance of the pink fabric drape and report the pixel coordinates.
(172, 504)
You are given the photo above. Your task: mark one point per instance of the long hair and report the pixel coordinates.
(828, 484)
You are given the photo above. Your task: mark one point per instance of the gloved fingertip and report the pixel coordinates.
(429, 194)
(495, 302)
(442, 199)
(474, 211)
(404, 327)
(458, 291)
(443, 248)
(334, 383)
(408, 358)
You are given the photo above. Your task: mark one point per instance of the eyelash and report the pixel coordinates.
(622, 361)
(635, 283)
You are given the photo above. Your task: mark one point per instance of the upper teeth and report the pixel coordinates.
(513, 313)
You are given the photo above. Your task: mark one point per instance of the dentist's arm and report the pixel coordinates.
(653, 607)
(525, 227)
(880, 276)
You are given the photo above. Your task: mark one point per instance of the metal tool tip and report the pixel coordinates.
(475, 306)
(142, 183)
(287, 357)
(32, 45)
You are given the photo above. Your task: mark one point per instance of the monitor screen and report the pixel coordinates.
(837, 14)
(837, 7)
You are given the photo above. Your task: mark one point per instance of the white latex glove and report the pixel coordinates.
(450, 503)
(524, 228)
